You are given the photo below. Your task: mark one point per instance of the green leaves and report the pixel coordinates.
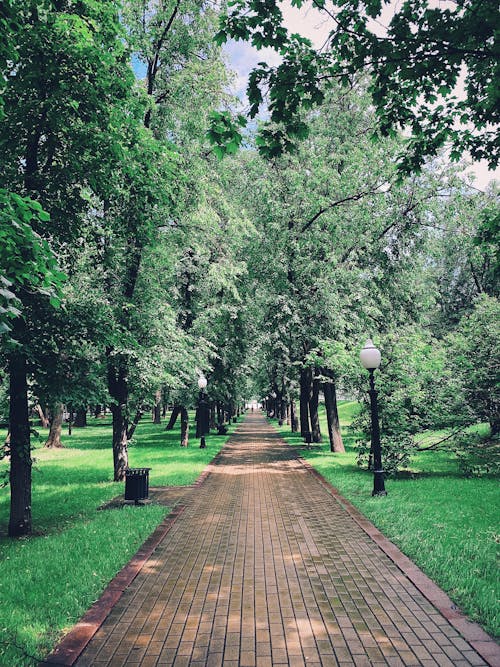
(417, 62)
(224, 134)
(26, 260)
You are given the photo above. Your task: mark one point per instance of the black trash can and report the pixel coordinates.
(308, 437)
(137, 484)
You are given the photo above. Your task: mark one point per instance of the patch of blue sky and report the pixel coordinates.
(139, 67)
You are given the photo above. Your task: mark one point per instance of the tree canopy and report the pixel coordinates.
(132, 259)
(433, 72)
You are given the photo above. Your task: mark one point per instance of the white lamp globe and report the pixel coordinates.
(370, 356)
(202, 382)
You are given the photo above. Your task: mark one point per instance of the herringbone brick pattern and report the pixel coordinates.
(265, 567)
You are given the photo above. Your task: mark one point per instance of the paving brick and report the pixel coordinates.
(266, 565)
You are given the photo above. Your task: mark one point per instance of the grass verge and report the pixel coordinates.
(51, 578)
(447, 524)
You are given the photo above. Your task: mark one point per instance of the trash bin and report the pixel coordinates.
(136, 484)
(308, 437)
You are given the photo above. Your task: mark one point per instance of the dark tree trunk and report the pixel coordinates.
(212, 416)
(134, 424)
(173, 417)
(97, 411)
(305, 395)
(71, 416)
(294, 423)
(283, 409)
(184, 427)
(313, 409)
(54, 439)
(118, 390)
(120, 441)
(20, 522)
(494, 422)
(157, 408)
(81, 417)
(220, 413)
(332, 416)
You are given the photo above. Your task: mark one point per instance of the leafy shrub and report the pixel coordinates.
(396, 453)
(478, 454)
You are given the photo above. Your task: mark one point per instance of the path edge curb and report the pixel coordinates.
(472, 632)
(73, 643)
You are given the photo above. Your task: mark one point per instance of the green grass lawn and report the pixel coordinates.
(50, 579)
(449, 525)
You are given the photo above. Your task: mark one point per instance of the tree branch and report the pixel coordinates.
(339, 202)
(135, 421)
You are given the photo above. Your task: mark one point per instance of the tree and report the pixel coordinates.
(474, 358)
(415, 65)
(334, 252)
(150, 213)
(57, 142)
(462, 254)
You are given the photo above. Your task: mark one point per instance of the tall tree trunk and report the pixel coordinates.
(173, 417)
(313, 409)
(283, 409)
(157, 408)
(332, 417)
(54, 439)
(81, 417)
(45, 423)
(294, 423)
(305, 395)
(20, 522)
(120, 441)
(184, 427)
(118, 390)
(212, 415)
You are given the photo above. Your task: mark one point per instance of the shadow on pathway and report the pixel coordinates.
(264, 564)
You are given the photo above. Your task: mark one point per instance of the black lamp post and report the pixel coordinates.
(203, 421)
(370, 359)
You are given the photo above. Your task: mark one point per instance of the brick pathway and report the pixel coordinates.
(265, 566)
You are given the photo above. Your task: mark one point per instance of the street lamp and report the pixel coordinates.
(274, 410)
(203, 420)
(370, 359)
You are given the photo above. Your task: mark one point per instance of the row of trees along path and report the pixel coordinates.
(132, 258)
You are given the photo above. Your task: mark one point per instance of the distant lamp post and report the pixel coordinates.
(203, 420)
(370, 359)
(273, 396)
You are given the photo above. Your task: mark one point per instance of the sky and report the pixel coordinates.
(243, 57)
